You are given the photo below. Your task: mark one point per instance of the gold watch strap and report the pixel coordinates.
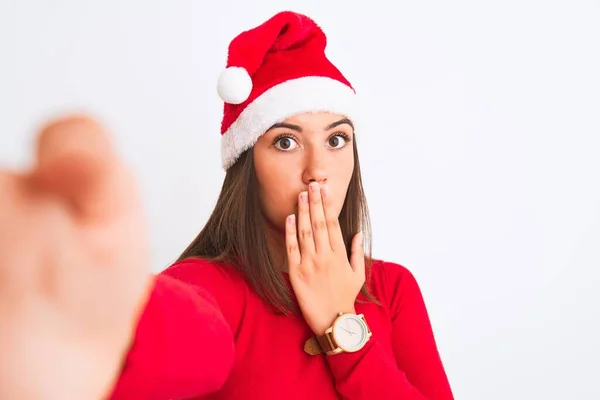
(311, 347)
(320, 344)
(326, 342)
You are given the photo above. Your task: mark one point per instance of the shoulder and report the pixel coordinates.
(198, 271)
(222, 282)
(389, 273)
(393, 284)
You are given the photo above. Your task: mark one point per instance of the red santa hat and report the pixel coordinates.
(274, 71)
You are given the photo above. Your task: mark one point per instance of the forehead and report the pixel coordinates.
(314, 120)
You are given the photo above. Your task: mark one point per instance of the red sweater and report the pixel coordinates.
(205, 334)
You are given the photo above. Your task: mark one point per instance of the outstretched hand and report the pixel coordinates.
(73, 267)
(324, 280)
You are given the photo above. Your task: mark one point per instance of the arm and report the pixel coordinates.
(415, 372)
(183, 346)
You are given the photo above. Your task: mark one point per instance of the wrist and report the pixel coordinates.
(323, 324)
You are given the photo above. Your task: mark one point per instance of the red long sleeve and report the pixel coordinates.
(199, 311)
(180, 329)
(415, 372)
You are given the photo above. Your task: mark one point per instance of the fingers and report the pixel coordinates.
(291, 243)
(318, 224)
(357, 256)
(305, 233)
(75, 160)
(336, 239)
(11, 189)
(11, 199)
(317, 217)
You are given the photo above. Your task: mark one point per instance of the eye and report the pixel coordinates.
(285, 143)
(338, 141)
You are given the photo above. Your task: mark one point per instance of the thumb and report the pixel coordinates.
(357, 256)
(76, 161)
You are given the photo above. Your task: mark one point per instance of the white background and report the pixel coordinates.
(480, 153)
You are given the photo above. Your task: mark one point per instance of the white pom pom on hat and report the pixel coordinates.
(234, 85)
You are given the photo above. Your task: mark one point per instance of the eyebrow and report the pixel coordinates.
(340, 122)
(298, 128)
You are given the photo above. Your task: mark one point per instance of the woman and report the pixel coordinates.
(277, 297)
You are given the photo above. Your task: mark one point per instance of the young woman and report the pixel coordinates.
(276, 298)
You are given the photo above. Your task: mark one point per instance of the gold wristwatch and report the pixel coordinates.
(348, 333)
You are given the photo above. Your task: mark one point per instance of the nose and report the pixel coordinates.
(315, 169)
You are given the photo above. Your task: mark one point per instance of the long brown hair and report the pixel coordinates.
(236, 232)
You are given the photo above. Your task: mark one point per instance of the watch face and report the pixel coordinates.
(349, 332)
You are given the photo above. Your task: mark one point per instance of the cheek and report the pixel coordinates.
(340, 179)
(277, 193)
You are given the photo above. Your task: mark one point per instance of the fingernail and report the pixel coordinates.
(291, 219)
(314, 187)
(324, 190)
(304, 197)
